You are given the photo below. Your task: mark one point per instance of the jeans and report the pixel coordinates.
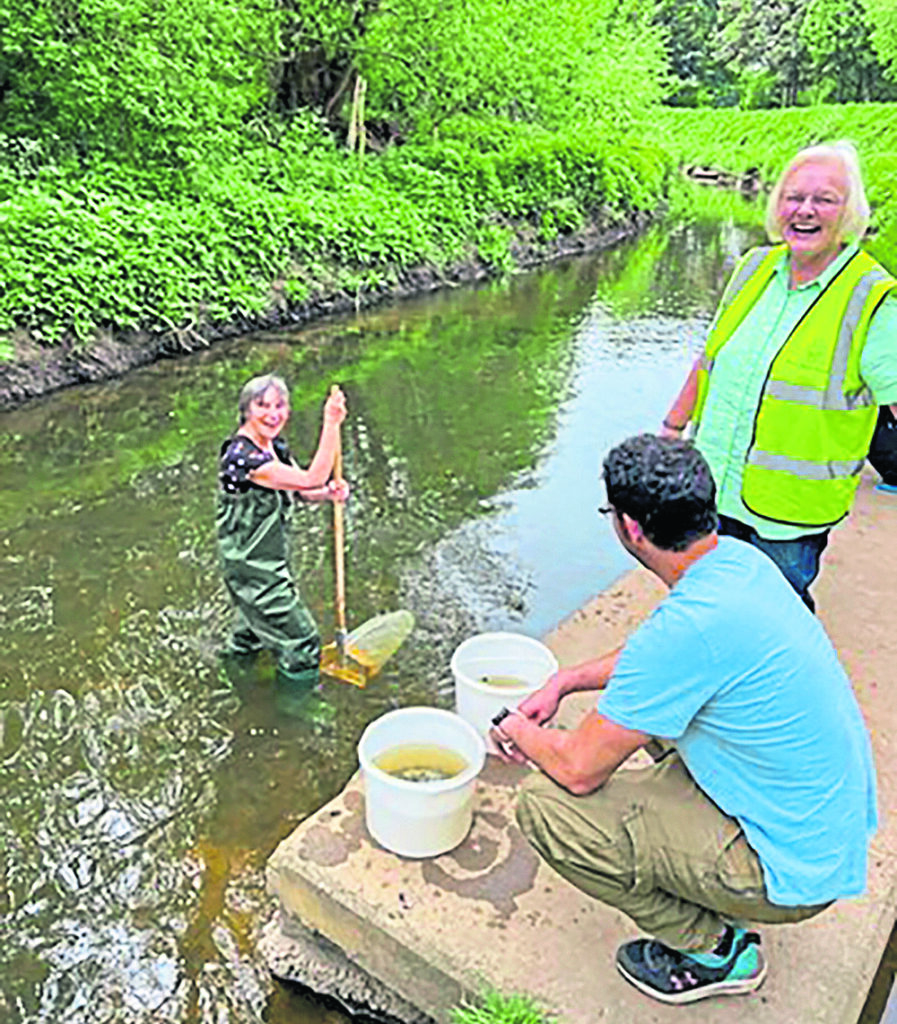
(798, 559)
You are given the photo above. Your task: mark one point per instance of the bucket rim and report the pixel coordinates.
(435, 785)
(511, 691)
(504, 634)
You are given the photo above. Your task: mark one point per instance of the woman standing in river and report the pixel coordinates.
(255, 475)
(799, 356)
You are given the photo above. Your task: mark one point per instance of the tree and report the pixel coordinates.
(762, 47)
(570, 60)
(689, 28)
(132, 78)
(882, 15)
(156, 81)
(839, 41)
(319, 46)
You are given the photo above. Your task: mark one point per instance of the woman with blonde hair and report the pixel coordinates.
(799, 356)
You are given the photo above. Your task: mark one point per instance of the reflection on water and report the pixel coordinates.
(145, 783)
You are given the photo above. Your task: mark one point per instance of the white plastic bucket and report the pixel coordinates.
(497, 654)
(419, 819)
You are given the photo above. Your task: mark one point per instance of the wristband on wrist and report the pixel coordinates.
(674, 426)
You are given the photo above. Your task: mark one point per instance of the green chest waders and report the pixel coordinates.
(253, 546)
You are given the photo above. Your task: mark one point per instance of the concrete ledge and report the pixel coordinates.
(295, 953)
(491, 914)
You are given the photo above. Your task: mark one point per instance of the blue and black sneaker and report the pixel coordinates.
(735, 967)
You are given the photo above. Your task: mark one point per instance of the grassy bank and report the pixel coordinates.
(766, 139)
(266, 222)
(277, 222)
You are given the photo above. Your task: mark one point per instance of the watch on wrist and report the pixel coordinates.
(501, 716)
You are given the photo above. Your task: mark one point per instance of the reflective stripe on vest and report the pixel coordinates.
(807, 469)
(835, 395)
(816, 416)
(758, 262)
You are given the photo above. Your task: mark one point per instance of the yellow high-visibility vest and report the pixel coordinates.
(816, 416)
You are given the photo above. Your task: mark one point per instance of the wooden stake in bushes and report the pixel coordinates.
(357, 137)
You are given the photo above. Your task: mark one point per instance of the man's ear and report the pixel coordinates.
(631, 528)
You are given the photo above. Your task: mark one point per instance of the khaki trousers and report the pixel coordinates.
(652, 844)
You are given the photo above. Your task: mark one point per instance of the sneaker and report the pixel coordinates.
(675, 976)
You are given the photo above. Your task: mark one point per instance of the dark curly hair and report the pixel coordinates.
(665, 486)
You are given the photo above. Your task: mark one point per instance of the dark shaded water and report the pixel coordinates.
(143, 788)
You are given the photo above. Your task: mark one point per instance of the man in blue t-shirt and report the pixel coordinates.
(761, 803)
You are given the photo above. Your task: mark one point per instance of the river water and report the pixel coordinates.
(143, 787)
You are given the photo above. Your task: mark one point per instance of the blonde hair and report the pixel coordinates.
(255, 388)
(855, 218)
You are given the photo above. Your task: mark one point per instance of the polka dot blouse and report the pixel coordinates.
(239, 457)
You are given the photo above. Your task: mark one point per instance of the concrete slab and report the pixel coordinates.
(490, 914)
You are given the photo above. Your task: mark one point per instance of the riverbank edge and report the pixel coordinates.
(37, 370)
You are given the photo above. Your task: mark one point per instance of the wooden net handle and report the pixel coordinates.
(339, 537)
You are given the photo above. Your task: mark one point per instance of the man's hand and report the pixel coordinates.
(579, 759)
(542, 705)
(501, 744)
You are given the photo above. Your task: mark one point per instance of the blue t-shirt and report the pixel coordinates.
(735, 669)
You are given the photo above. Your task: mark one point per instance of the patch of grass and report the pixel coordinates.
(495, 1008)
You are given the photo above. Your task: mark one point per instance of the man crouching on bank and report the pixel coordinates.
(762, 810)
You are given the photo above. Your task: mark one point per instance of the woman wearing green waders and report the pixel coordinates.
(255, 474)
(799, 356)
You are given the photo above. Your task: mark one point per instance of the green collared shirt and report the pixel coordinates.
(742, 365)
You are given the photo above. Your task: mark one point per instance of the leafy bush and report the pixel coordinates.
(132, 79)
(170, 163)
(558, 64)
(111, 249)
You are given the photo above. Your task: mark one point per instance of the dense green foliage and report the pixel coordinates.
(178, 166)
(170, 165)
(555, 64)
(128, 79)
(843, 61)
(767, 139)
(773, 53)
(883, 22)
(278, 224)
(424, 62)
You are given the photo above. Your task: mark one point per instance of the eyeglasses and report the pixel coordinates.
(817, 202)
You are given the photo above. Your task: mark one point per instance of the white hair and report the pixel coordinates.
(855, 218)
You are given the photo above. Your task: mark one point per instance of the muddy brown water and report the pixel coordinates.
(144, 785)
